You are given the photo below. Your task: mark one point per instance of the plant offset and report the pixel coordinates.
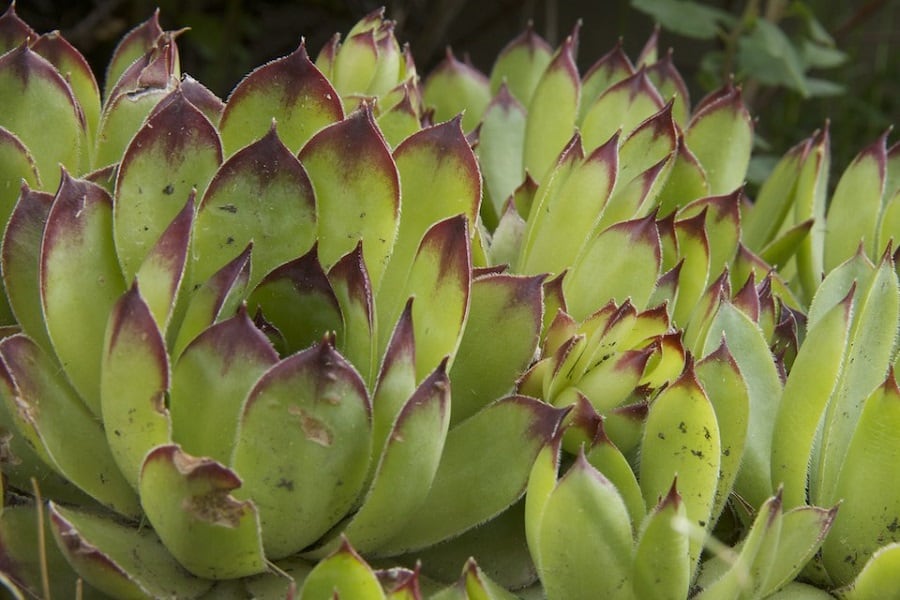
(361, 333)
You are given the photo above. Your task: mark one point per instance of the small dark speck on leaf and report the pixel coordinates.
(169, 190)
(229, 208)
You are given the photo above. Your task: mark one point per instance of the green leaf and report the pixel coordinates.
(750, 350)
(55, 135)
(343, 574)
(134, 381)
(454, 87)
(720, 134)
(604, 456)
(521, 64)
(878, 579)
(768, 55)
(499, 340)
(439, 178)
(121, 561)
(855, 207)
(78, 239)
(409, 461)
(807, 391)
(48, 412)
(290, 90)
(577, 186)
(803, 530)
(314, 403)
(687, 179)
(261, 194)
(682, 438)
(604, 271)
(78, 74)
(188, 502)
(218, 296)
(552, 111)
(726, 389)
(870, 503)
(210, 382)
(130, 48)
(780, 250)
(622, 107)
(690, 19)
(693, 248)
(585, 543)
(484, 469)
(17, 166)
(352, 287)
(163, 269)
(21, 262)
(866, 362)
(662, 559)
(501, 143)
(357, 191)
(297, 299)
(176, 151)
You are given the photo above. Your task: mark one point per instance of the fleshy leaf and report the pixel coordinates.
(501, 143)
(475, 480)
(13, 30)
(552, 110)
(189, 504)
(290, 90)
(357, 191)
(314, 403)
(134, 381)
(455, 87)
(879, 575)
(521, 64)
(78, 238)
(606, 457)
(687, 179)
(869, 503)
(21, 262)
(724, 385)
(130, 48)
(604, 271)
(408, 464)
(720, 134)
(119, 560)
(175, 152)
(807, 391)
(353, 289)
(578, 186)
(55, 134)
(343, 574)
(218, 296)
(439, 178)
(856, 205)
(48, 412)
(803, 530)
(610, 69)
(161, 273)
(298, 300)
(682, 438)
(16, 165)
(662, 559)
(499, 340)
(261, 194)
(588, 556)
(751, 352)
(210, 382)
(622, 107)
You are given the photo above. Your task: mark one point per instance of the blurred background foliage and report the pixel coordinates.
(800, 63)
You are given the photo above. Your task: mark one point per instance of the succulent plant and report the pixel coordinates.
(348, 334)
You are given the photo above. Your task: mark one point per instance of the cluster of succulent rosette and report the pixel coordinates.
(363, 334)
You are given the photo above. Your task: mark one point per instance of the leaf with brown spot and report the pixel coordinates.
(314, 404)
(188, 502)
